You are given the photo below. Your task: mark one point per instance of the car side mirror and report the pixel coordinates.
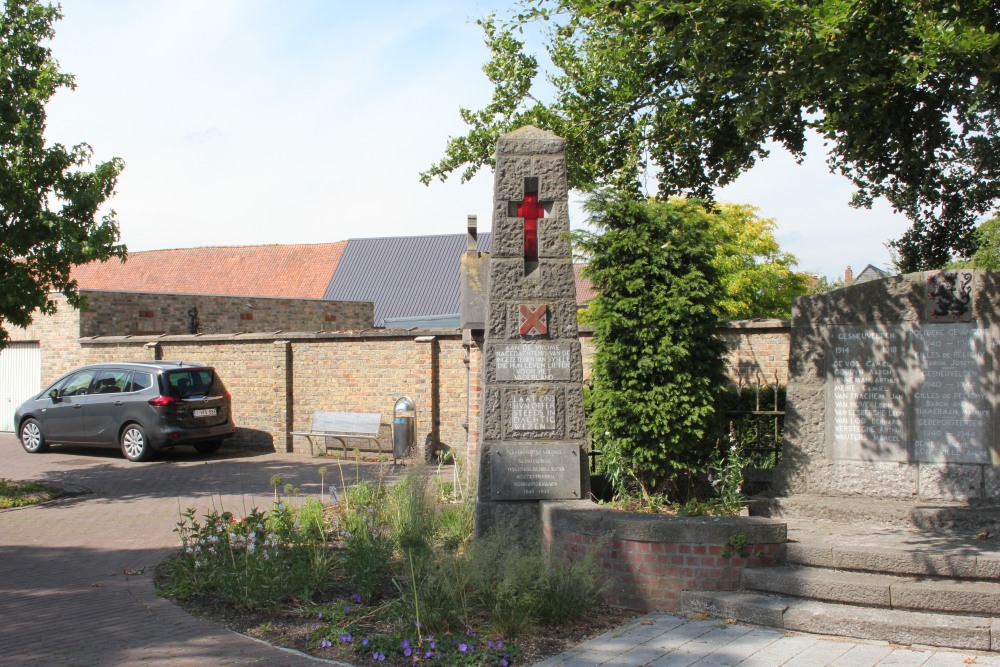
(54, 395)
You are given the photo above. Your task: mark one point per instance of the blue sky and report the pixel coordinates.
(246, 122)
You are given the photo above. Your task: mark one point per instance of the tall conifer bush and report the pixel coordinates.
(658, 369)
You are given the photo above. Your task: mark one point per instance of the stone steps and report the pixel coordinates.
(874, 581)
(924, 516)
(954, 596)
(893, 625)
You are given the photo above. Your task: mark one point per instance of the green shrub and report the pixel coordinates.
(255, 562)
(659, 366)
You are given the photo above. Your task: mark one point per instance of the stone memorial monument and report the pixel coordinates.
(893, 390)
(531, 444)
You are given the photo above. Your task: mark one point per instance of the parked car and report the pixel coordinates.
(140, 407)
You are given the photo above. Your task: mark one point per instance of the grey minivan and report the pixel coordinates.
(141, 407)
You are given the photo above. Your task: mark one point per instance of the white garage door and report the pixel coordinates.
(20, 378)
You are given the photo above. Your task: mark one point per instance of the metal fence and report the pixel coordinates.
(756, 420)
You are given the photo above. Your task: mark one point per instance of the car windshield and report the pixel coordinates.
(192, 382)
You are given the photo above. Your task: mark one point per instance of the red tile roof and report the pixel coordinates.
(298, 271)
(584, 288)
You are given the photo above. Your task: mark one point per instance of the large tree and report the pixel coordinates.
(49, 201)
(904, 93)
(757, 278)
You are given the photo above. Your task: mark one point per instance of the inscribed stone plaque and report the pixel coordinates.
(546, 471)
(540, 361)
(866, 411)
(533, 412)
(910, 393)
(952, 406)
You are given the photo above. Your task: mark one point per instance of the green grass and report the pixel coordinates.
(22, 494)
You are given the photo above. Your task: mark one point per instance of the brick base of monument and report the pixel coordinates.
(647, 561)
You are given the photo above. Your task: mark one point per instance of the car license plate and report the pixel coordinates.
(209, 412)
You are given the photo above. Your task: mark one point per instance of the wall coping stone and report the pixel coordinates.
(781, 324)
(588, 518)
(206, 294)
(275, 335)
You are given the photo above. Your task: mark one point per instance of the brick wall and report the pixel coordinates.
(648, 561)
(279, 379)
(118, 313)
(756, 347)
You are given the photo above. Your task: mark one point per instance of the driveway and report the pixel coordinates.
(76, 575)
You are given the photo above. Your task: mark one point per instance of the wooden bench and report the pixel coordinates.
(340, 426)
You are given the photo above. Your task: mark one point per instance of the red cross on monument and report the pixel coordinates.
(531, 210)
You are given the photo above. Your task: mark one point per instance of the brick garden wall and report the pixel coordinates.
(648, 561)
(278, 379)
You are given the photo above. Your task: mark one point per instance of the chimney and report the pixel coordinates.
(848, 276)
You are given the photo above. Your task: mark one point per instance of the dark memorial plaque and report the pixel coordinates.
(910, 393)
(549, 471)
(535, 361)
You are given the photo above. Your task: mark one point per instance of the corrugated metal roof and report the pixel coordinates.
(411, 276)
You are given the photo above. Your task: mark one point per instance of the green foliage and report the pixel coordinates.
(904, 94)
(256, 562)
(22, 494)
(368, 541)
(757, 278)
(658, 368)
(822, 284)
(987, 237)
(49, 202)
(735, 544)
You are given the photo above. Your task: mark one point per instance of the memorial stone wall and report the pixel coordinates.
(893, 390)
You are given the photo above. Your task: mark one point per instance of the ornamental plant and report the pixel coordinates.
(659, 367)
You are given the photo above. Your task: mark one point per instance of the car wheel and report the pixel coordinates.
(31, 437)
(135, 446)
(208, 447)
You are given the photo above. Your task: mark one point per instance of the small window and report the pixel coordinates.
(140, 381)
(195, 382)
(78, 385)
(111, 382)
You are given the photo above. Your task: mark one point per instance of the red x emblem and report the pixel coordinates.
(533, 322)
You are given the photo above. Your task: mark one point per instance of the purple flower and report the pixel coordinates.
(380, 657)
(364, 642)
(345, 637)
(325, 643)
(491, 644)
(407, 652)
(499, 643)
(405, 643)
(434, 644)
(347, 609)
(427, 656)
(418, 624)
(356, 597)
(504, 663)
(463, 648)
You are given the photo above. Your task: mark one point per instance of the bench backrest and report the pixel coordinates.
(347, 422)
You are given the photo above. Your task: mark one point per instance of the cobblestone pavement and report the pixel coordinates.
(76, 576)
(662, 640)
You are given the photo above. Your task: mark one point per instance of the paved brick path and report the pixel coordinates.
(76, 576)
